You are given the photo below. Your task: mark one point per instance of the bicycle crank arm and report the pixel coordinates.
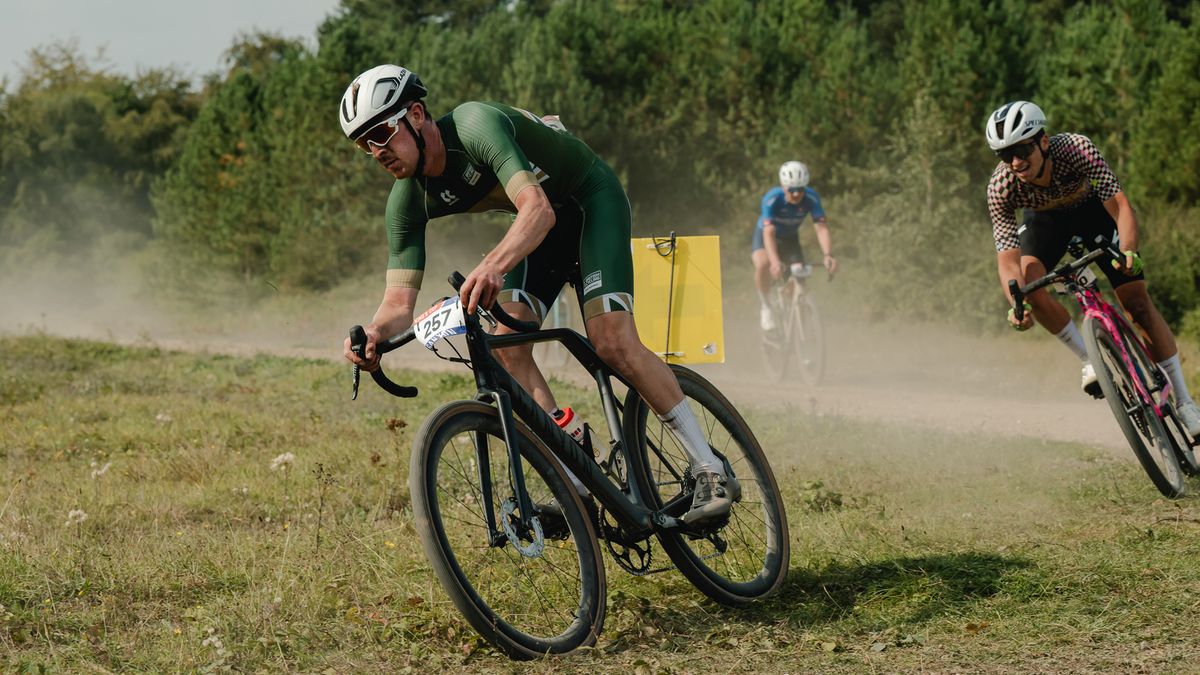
(665, 522)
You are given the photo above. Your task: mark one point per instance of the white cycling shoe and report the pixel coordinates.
(1189, 414)
(1088, 381)
(767, 318)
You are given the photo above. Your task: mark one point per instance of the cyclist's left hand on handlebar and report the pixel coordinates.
(482, 286)
(370, 360)
(831, 265)
(1026, 321)
(1131, 265)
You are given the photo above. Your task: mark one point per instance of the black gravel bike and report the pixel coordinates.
(515, 545)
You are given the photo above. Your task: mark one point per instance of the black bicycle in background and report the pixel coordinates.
(513, 543)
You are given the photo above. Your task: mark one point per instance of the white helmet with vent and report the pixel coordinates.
(376, 95)
(1014, 122)
(793, 175)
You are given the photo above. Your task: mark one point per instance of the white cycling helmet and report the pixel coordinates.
(1014, 122)
(376, 95)
(793, 175)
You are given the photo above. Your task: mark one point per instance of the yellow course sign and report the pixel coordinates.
(677, 291)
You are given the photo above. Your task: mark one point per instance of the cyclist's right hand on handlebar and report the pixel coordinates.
(1026, 321)
(370, 360)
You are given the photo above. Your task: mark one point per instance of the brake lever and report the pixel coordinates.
(358, 345)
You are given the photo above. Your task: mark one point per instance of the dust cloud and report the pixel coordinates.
(932, 376)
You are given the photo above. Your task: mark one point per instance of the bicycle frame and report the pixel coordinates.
(1095, 306)
(495, 384)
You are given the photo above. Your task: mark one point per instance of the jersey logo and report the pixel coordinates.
(448, 197)
(471, 175)
(592, 281)
(540, 175)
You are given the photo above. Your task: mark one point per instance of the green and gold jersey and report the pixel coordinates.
(493, 151)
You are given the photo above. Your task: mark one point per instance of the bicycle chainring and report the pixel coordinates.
(633, 556)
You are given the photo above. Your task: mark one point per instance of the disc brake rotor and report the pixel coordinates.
(509, 520)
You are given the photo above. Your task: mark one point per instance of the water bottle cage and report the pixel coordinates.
(587, 439)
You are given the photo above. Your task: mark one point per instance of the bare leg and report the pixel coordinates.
(518, 360)
(615, 337)
(1046, 310)
(1136, 300)
(762, 272)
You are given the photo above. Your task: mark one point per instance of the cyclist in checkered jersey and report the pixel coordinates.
(1066, 189)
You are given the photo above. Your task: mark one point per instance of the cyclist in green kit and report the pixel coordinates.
(570, 212)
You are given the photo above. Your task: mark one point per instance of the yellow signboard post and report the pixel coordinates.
(677, 291)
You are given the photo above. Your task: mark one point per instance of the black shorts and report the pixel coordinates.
(788, 248)
(1046, 234)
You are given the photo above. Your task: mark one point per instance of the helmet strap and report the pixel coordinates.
(420, 147)
(1045, 159)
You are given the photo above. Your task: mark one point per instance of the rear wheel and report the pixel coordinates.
(529, 591)
(1141, 424)
(733, 563)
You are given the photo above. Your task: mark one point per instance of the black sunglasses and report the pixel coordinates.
(1022, 150)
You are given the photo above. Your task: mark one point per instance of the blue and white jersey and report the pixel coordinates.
(786, 217)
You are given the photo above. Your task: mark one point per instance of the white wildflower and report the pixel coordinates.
(75, 517)
(97, 472)
(162, 418)
(212, 641)
(282, 462)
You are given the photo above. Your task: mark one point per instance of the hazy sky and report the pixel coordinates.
(190, 34)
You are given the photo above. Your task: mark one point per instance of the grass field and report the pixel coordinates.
(175, 511)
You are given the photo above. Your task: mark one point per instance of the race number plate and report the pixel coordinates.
(442, 320)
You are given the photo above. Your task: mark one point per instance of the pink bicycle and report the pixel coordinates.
(1137, 390)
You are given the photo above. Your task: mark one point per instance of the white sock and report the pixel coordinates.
(682, 422)
(1174, 371)
(1070, 337)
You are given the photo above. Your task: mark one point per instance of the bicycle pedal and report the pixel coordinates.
(1094, 390)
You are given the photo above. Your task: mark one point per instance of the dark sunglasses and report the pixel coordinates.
(1022, 150)
(795, 191)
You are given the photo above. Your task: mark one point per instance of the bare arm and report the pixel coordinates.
(395, 314)
(772, 248)
(822, 230)
(1121, 210)
(1009, 264)
(535, 218)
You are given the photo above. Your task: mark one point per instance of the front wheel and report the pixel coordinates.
(808, 340)
(775, 342)
(745, 559)
(529, 591)
(1140, 422)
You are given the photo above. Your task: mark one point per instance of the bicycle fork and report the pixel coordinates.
(496, 534)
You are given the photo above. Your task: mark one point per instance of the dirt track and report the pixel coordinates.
(1023, 385)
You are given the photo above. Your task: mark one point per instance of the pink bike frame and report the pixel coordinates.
(1095, 306)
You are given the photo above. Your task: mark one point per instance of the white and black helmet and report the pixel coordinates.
(793, 175)
(376, 95)
(1014, 122)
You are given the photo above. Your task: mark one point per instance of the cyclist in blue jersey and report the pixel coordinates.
(776, 236)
